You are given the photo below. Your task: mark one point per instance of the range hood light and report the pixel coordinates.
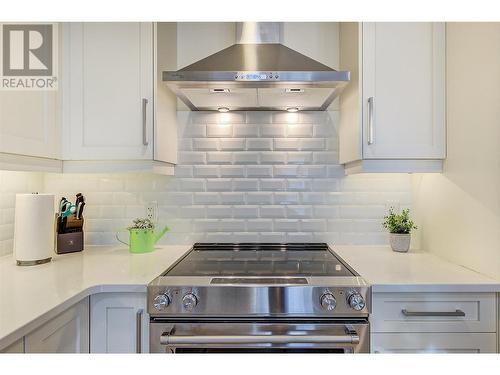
(294, 91)
(223, 109)
(292, 109)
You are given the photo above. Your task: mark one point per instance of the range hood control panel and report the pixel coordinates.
(256, 76)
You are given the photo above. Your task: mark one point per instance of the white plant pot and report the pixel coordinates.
(400, 242)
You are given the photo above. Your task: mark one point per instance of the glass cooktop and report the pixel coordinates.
(266, 260)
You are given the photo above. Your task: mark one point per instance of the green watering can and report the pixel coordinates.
(142, 240)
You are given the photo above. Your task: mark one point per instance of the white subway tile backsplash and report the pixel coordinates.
(189, 157)
(299, 237)
(265, 144)
(235, 144)
(312, 144)
(232, 171)
(245, 184)
(273, 211)
(259, 225)
(247, 211)
(206, 198)
(260, 198)
(273, 157)
(286, 198)
(286, 225)
(246, 130)
(286, 171)
(299, 211)
(299, 157)
(272, 184)
(206, 225)
(220, 130)
(313, 225)
(245, 237)
(278, 130)
(218, 184)
(278, 237)
(286, 144)
(299, 130)
(232, 225)
(312, 171)
(205, 171)
(205, 144)
(219, 157)
(242, 176)
(298, 184)
(219, 211)
(183, 171)
(246, 157)
(193, 184)
(259, 171)
(232, 198)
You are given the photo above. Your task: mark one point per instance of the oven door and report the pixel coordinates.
(259, 337)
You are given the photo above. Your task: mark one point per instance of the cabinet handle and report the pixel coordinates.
(145, 141)
(371, 119)
(138, 331)
(433, 313)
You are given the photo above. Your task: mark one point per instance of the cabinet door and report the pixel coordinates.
(403, 90)
(433, 343)
(29, 123)
(119, 323)
(110, 91)
(66, 333)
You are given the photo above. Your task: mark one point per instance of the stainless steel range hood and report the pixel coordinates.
(257, 73)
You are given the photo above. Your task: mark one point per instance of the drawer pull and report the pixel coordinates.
(433, 313)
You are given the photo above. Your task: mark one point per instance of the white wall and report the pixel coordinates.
(459, 211)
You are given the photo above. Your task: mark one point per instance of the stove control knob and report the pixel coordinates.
(356, 301)
(328, 301)
(161, 301)
(189, 301)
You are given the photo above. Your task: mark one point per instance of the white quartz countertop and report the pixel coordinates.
(415, 271)
(29, 296)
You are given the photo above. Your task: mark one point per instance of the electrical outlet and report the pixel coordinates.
(152, 211)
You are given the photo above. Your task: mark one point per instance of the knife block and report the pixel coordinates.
(72, 241)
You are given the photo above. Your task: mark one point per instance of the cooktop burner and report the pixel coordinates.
(263, 259)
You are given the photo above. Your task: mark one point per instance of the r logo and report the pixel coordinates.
(27, 50)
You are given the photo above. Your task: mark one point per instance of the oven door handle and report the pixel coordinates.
(169, 339)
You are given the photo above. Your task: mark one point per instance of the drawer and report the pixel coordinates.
(433, 343)
(433, 312)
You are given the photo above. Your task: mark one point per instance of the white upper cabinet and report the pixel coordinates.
(393, 111)
(30, 122)
(108, 109)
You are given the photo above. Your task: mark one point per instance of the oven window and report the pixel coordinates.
(258, 350)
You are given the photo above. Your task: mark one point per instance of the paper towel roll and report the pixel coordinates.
(33, 228)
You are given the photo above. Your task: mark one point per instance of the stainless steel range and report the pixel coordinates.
(259, 298)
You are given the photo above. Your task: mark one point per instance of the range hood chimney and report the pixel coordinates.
(257, 73)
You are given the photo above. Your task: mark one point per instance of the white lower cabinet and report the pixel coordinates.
(434, 322)
(119, 323)
(433, 343)
(66, 333)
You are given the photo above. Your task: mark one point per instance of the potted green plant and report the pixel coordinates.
(399, 227)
